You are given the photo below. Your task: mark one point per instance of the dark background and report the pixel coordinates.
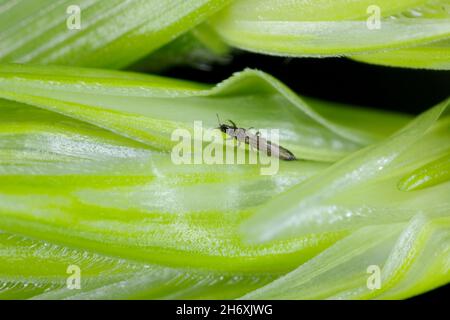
(341, 80)
(338, 79)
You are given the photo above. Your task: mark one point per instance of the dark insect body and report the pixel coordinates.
(256, 141)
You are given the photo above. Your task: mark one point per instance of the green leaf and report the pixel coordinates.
(334, 28)
(113, 33)
(117, 34)
(431, 174)
(433, 55)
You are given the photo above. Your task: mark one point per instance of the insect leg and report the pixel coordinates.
(257, 133)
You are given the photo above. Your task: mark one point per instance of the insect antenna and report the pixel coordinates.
(218, 119)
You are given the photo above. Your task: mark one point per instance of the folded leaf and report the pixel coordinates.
(148, 108)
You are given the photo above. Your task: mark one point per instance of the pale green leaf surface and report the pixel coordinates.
(86, 178)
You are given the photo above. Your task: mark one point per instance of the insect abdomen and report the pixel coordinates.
(261, 144)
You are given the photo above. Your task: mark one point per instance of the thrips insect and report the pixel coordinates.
(255, 141)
